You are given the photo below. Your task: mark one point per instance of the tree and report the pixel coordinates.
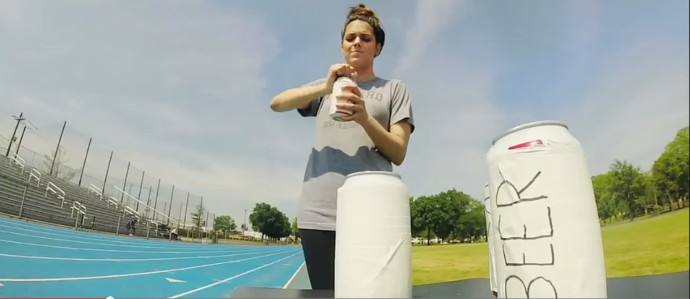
(258, 216)
(648, 200)
(426, 215)
(450, 208)
(467, 209)
(295, 229)
(197, 219)
(427, 235)
(439, 215)
(607, 206)
(60, 168)
(277, 225)
(670, 170)
(287, 228)
(472, 222)
(224, 223)
(270, 221)
(416, 224)
(628, 184)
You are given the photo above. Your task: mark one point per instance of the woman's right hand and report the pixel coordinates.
(301, 97)
(339, 70)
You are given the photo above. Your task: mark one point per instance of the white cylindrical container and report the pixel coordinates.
(339, 88)
(373, 248)
(490, 234)
(548, 235)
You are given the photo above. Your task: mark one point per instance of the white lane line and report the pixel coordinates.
(92, 242)
(36, 227)
(173, 280)
(104, 240)
(103, 250)
(127, 259)
(294, 275)
(230, 278)
(130, 274)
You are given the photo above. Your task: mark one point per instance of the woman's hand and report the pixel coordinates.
(352, 101)
(339, 70)
(392, 143)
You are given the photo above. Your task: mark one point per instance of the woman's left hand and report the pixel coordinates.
(352, 101)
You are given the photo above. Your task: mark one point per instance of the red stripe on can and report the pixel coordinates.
(526, 144)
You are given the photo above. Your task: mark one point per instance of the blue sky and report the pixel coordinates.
(182, 88)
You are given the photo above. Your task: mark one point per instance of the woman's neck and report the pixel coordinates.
(365, 74)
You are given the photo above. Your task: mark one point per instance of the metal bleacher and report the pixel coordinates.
(27, 193)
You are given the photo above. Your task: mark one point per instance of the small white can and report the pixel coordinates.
(373, 247)
(339, 88)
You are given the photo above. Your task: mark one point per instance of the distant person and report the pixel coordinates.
(128, 225)
(132, 226)
(373, 138)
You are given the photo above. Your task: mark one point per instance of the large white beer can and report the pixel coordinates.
(490, 235)
(542, 204)
(373, 248)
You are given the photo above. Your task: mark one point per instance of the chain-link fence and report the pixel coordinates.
(60, 151)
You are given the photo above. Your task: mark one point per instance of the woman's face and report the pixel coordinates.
(359, 44)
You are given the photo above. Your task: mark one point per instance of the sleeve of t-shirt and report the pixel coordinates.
(315, 103)
(401, 106)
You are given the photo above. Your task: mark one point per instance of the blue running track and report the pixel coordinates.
(45, 261)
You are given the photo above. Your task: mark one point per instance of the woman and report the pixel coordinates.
(375, 136)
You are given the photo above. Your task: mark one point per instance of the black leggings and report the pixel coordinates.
(319, 254)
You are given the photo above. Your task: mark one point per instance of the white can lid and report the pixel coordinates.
(390, 173)
(529, 125)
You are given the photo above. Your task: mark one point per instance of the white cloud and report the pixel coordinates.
(634, 107)
(430, 18)
(455, 119)
(630, 110)
(453, 109)
(233, 184)
(175, 82)
(182, 91)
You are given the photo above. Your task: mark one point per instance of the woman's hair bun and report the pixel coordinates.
(362, 10)
(364, 13)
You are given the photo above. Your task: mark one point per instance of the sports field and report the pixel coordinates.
(653, 245)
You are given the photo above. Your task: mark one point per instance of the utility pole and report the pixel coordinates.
(19, 119)
(20, 141)
(27, 123)
(171, 204)
(184, 223)
(57, 148)
(245, 220)
(141, 185)
(30, 126)
(107, 170)
(83, 165)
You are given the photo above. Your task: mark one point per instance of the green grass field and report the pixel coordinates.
(654, 245)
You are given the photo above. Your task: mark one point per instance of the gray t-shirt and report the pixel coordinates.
(343, 148)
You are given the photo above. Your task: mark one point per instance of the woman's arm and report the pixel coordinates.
(298, 97)
(392, 144)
